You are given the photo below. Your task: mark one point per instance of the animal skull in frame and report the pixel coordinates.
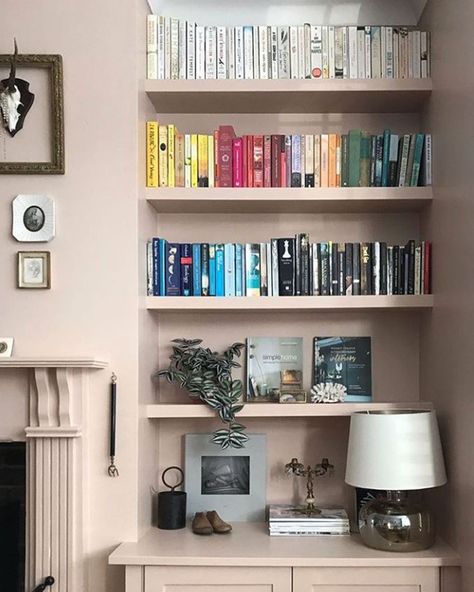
(15, 99)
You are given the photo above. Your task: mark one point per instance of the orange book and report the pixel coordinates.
(332, 160)
(338, 160)
(324, 160)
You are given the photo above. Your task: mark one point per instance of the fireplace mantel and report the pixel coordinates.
(57, 391)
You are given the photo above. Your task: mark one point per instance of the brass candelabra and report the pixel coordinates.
(294, 467)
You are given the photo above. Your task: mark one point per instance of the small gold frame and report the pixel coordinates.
(34, 276)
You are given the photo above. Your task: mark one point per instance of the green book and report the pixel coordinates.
(354, 141)
(344, 161)
(365, 148)
(415, 173)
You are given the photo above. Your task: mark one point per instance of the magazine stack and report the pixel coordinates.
(287, 520)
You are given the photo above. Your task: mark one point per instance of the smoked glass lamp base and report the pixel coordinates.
(396, 524)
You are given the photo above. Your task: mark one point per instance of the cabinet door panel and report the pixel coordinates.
(217, 579)
(366, 579)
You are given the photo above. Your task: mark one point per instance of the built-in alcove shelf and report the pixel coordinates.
(346, 200)
(52, 362)
(287, 303)
(289, 96)
(250, 545)
(269, 410)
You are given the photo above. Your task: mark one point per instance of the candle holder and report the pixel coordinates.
(294, 467)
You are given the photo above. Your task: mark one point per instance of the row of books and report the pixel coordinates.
(286, 520)
(184, 50)
(291, 266)
(355, 159)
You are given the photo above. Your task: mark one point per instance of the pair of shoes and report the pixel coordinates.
(209, 522)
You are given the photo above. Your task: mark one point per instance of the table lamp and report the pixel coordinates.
(395, 451)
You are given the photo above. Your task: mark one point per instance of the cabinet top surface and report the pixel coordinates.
(250, 545)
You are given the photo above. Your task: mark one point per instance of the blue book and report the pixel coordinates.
(385, 158)
(220, 271)
(186, 270)
(156, 266)
(205, 269)
(196, 269)
(238, 270)
(252, 266)
(162, 266)
(173, 269)
(212, 270)
(229, 260)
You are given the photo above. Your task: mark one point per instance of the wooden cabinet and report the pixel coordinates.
(366, 579)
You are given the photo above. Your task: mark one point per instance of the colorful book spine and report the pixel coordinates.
(220, 270)
(252, 266)
(152, 154)
(173, 270)
(197, 276)
(186, 261)
(212, 270)
(204, 269)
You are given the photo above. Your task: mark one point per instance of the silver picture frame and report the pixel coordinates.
(33, 218)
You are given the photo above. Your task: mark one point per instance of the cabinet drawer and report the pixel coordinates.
(217, 579)
(366, 579)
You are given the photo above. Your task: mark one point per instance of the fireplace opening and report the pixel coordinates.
(12, 515)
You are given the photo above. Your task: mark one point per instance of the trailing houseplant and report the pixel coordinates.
(207, 375)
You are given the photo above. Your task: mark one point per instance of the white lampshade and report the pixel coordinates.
(395, 450)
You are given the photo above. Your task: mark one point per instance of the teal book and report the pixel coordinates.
(220, 270)
(229, 267)
(364, 173)
(238, 270)
(354, 141)
(415, 173)
(252, 268)
(212, 270)
(197, 269)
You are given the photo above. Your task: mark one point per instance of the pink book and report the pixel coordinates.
(267, 161)
(237, 168)
(284, 163)
(224, 161)
(258, 161)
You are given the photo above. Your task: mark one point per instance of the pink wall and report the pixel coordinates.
(92, 306)
(448, 335)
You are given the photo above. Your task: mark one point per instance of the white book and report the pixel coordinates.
(167, 51)
(256, 53)
(273, 70)
(368, 56)
(151, 33)
(283, 52)
(263, 52)
(389, 271)
(376, 269)
(302, 159)
(211, 162)
(174, 49)
(396, 53)
(360, 52)
(315, 269)
(389, 71)
(375, 51)
(345, 53)
(307, 50)
(410, 54)
(275, 278)
(300, 52)
(200, 52)
(325, 54)
(231, 52)
(149, 268)
(187, 160)
(317, 160)
(424, 54)
(161, 48)
(221, 52)
(248, 52)
(191, 50)
(294, 73)
(353, 63)
(152, 65)
(383, 53)
(316, 52)
(331, 52)
(182, 49)
(416, 56)
(404, 160)
(338, 52)
(239, 53)
(427, 161)
(403, 41)
(268, 247)
(211, 53)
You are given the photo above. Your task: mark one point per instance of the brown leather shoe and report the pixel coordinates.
(201, 524)
(218, 525)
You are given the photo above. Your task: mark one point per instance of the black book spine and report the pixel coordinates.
(298, 265)
(341, 268)
(311, 270)
(286, 266)
(204, 269)
(406, 271)
(375, 266)
(383, 269)
(365, 269)
(396, 270)
(309, 180)
(304, 252)
(410, 250)
(378, 158)
(356, 287)
(349, 269)
(399, 162)
(334, 274)
(373, 159)
(324, 267)
(401, 272)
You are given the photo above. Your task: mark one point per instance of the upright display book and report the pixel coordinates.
(274, 368)
(345, 361)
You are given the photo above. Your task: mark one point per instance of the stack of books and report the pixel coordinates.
(184, 50)
(287, 520)
(223, 159)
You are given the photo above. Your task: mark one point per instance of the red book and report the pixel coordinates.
(216, 163)
(244, 161)
(276, 161)
(427, 268)
(226, 135)
(284, 165)
(237, 159)
(258, 161)
(288, 160)
(249, 161)
(267, 161)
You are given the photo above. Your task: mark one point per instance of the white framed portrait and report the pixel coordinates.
(33, 218)
(34, 269)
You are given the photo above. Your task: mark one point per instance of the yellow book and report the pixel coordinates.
(211, 160)
(317, 161)
(332, 160)
(203, 172)
(171, 171)
(194, 160)
(324, 160)
(163, 155)
(152, 154)
(179, 159)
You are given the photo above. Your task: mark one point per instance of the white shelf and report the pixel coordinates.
(52, 362)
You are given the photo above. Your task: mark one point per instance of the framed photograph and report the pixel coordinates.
(38, 147)
(231, 481)
(33, 218)
(34, 269)
(6, 347)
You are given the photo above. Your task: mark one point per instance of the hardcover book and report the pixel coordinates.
(345, 361)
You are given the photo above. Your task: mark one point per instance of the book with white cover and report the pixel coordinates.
(239, 53)
(325, 54)
(248, 52)
(221, 52)
(174, 49)
(263, 49)
(331, 52)
(338, 52)
(151, 33)
(283, 52)
(152, 65)
(317, 160)
(410, 53)
(191, 50)
(294, 52)
(301, 52)
(345, 52)
(396, 53)
(161, 48)
(231, 52)
(182, 49)
(290, 513)
(375, 50)
(316, 52)
(383, 53)
(360, 52)
(368, 53)
(256, 52)
(200, 52)
(353, 62)
(307, 50)
(416, 55)
(389, 73)
(167, 52)
(424, 54)
(273, 64)
(211, 53)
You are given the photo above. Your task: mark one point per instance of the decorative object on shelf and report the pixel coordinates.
(328, 392)
(172, 504)
(46, 72)
(395, 451)
(15, 98)
(6, 347)
(342, 369)
(48, 582)
(296, 397)
(34, 269)
(231, 481)
(294, 467)
(207, 375)
(33, 218)
(288, 520)
(363, 496)
(205, 523)
(112, 469)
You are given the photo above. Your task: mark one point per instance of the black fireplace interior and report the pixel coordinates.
(12, 516)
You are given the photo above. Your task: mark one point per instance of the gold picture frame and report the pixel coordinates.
(53, 63)
(34, 269)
